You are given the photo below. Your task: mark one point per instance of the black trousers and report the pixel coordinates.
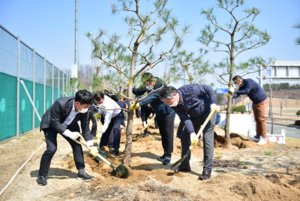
(51, 141)
(145, 113)
(166, 130)
(112, 134)
(94, 123)
(208, 141)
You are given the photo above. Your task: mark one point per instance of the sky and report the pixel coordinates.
(49, 27)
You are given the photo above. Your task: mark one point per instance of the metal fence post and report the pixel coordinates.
(63, 82)
(33, 92)
(52, 83)
(18, 88)
(58, 82)
(45, 84)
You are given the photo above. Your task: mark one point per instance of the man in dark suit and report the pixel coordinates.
(62, 118)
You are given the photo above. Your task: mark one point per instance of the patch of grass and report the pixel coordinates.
(292, 141)
(242, 155)
(219, 155)
(270, 153)
(220, 171)
(245, 163)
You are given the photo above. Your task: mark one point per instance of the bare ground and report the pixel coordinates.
(244, 171)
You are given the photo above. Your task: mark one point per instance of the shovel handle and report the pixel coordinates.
(148, 124)
(101, 157)
(198, 135)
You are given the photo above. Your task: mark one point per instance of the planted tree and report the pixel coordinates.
(242, 36)
(188, 67)
(146, 30)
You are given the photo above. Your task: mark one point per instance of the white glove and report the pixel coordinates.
(231, 90)
(74, 135)
(93, 151)
(144, 123)
(90, 143)
(194, 139)
(214, 107)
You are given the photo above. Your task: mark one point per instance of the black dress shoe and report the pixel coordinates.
(162, 158)
(205, 175)
(146, 134)
(183, 169)
(115, 153)
(82, 175)
(167, 161)
(41, 180)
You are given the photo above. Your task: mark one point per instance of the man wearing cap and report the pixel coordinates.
(260, 103)
(164, 114)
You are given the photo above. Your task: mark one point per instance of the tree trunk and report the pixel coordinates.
(128, 146)
(120, 74)
(229, 104)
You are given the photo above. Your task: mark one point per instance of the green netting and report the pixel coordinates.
(60, 93)
(8, 109)
(45, 72)
(39, 102)
(55, 95)
(48, 97)
(25, 123)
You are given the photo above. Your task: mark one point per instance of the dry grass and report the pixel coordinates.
(292, 141)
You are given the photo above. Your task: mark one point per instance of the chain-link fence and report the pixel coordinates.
(44, 82)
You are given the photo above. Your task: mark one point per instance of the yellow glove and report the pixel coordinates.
(134, 107)
(97, 115)
(128, 82)
(93, 151)
(99, 134)
(194, 139)
(230, 90)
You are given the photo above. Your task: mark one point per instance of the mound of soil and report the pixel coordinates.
(242, 144)
(220, 141)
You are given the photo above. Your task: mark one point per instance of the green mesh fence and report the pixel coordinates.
(8, 109)
(32, 68)
(39, 102)
(55, 93)
(25, 123)
(48, 97)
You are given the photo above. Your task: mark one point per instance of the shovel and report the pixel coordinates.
(120, 171)
(198, 135)
(138, 135)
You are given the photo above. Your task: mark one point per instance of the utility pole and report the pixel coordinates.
(74, 71)
(76, 32)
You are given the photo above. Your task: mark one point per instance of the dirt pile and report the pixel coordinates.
(292, 179)
(244, 143)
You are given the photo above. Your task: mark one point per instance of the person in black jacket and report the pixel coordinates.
(92, 110)
(62, 118)
(164, 114)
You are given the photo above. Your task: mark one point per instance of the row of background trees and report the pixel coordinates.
(138, 51)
